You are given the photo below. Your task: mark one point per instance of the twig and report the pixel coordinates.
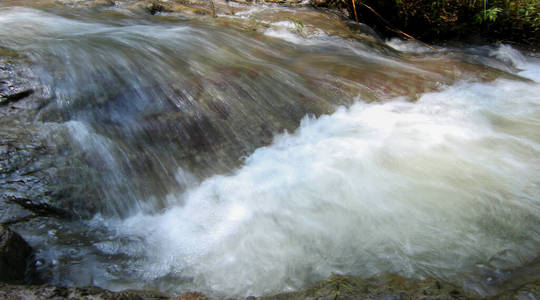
(213, 7)
(389, 26)
(354, 8)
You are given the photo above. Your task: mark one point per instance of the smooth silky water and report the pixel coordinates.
(240, 163)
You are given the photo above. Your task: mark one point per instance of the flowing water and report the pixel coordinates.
(246, 162)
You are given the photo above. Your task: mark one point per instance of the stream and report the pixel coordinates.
(252, 154)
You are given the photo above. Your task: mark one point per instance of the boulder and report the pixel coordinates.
(14, 255)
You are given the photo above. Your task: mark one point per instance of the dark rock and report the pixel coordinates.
(16, 82)
(193, 7)
(29, 167)
(157, 7)
(14, 255)
(9, 93)
(41, 209)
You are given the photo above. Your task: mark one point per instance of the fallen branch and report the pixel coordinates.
(389, 26)
(213, 7)
(354, 8)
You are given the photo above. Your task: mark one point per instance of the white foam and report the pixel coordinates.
(297, 33)
(286, 34)
(427, 188)
(408, 46)
(509, 55)
(529, 66)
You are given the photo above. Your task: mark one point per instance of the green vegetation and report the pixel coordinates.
(298, 25)
(441, 20)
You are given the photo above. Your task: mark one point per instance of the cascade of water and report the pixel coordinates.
(179, 126)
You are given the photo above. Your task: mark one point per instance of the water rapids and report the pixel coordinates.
(242, 162)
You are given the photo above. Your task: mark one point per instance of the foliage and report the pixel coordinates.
(505, 20)
(298, 25)
(339, 284)
(488, 15)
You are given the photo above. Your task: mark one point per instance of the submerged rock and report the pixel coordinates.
(14, 256)
(36, 161)
(530, 291)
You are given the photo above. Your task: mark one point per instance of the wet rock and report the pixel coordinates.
(191, 296)
(10, 93)
(156, 7)
(19, 169)
(37, 160)
(40, 209)
(384, 287)
(34, 162)
(15, 81)
(288, 2)
(184, 7)
(530, 291)
(396, 287)
(40, 173)
(28, 169)
(14, 256)
(56, 292)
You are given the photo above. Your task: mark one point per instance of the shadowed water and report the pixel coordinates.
(416, 164)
